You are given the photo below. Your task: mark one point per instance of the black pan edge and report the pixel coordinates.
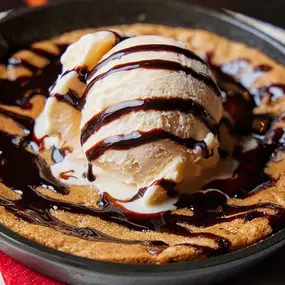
(61, 258)
(22, 244)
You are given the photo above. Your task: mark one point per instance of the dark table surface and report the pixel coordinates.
(271, 270)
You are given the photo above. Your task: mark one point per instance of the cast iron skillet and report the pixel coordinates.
(26, 26)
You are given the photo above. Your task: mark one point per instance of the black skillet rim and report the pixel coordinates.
(21, 243)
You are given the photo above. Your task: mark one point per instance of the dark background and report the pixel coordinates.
(272, 11)
(272, 270)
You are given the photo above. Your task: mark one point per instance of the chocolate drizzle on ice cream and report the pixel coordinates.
(150, 47)
(155, 64)
(137, 138)
(116, 111)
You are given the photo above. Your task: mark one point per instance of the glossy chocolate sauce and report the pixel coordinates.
(72, 98)
(82, 73)
(231, 73)
(89, 174)
(168, 185)
(137, 138)
(156, 64)
(150, 47)
(24, 122)
(19, 92)
(36, 208)
(31, 169)
(187, 106)
(209, 206)
(248, 175)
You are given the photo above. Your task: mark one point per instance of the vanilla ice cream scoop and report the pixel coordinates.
(61, 117)
(140, 112)
(151, 112)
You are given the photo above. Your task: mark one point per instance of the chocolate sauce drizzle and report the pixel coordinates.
(248, 175)
(118, 110)
(89, 174)
(20, 91)
(155, 64)
(168, 185)
(210, 206)
(150, 47)
(137, 138)
(231, 74)
(24, 122)
(72, 98)
(82, 73)
(35, 171)
(34, 207)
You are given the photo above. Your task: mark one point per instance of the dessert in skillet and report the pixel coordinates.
(142, 143)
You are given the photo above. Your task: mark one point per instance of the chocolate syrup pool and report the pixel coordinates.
(209, 206)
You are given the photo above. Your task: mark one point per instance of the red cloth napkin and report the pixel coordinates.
(16, 274)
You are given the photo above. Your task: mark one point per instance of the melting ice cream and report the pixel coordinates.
(137, 117)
